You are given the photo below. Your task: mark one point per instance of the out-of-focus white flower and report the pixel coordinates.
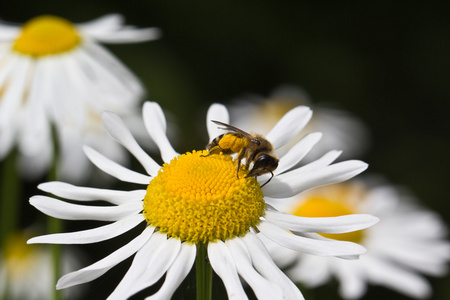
(55, 73)
(26, 271)
(342, 130)
(195, 199)
(408, 240)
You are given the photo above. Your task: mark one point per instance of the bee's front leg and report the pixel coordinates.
(239, 158)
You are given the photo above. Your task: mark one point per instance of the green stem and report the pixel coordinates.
(203, 271)
(55, 225)
(9, 197)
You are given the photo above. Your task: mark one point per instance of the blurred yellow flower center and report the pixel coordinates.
(46, 35)
(319, 207)
(273, 109)
(199, 198)
(17, 256)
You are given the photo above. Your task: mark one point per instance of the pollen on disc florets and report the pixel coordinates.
(198, 198)
(46, 35)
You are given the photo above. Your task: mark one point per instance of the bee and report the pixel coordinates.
(253, 147)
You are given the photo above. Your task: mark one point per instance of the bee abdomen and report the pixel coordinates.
(233, 142)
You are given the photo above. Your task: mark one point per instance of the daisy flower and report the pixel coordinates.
(341, 129)
(55, 73)
(26, 271)
(195, 200)
(408, 240)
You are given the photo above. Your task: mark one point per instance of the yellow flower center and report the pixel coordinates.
(17, 256)
(329, 205)
(198, 198)
(46, 35)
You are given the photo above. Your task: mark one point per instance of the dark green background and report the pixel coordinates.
(388, 62)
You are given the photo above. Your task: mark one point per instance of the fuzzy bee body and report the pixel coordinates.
(253, 147)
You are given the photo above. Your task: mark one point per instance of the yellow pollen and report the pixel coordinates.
(46, 35)
(330, 204)
(198, 198)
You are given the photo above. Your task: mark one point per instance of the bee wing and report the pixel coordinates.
(235, 129)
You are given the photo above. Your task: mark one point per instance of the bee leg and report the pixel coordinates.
(239, 158)
(213, 150)
(267, 180)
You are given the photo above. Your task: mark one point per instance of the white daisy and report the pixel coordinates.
(26, 271)
(198, 200)
(409, 240)
(341, 129)
(53, 72)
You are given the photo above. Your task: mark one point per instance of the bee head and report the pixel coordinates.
(263, 164)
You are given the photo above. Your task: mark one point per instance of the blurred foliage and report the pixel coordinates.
(386, 61)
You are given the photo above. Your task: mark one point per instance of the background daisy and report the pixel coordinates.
(195, 201)
(26, 271)
(408, 240)
(55, 73)
(342, 130)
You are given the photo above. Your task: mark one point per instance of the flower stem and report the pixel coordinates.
(9, 197)
(203, 271)
(55, 225)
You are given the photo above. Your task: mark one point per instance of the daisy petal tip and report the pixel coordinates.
(33, 200)
(32, 241)
(154, 33)
(43, 186)
(87, 149)
(373, 219)
(63, 283)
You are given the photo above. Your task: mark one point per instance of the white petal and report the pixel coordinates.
(12, 96)
(107, 22)
(7, 138)
(307, 245)
(132, 35)
(69, 191)
(155, 123)
(216, 112)
(98, 234)
(339, 224)
(298, 152)
(117, 129)
(263, 288)
(265, 266)
(311, 270)
(427, 256)
(101, 61)
(149, 265)
(68, 211)
(9, 64)
(162, 259)
(324, 161)
(9, 32)
(110, 29)
(117, 88)
(289, 126)
(351, 277)
(112, 168)
(404, 281)
(224, 265)
(99, 268)
(36, 135)
(176, 273)
(294, 182)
